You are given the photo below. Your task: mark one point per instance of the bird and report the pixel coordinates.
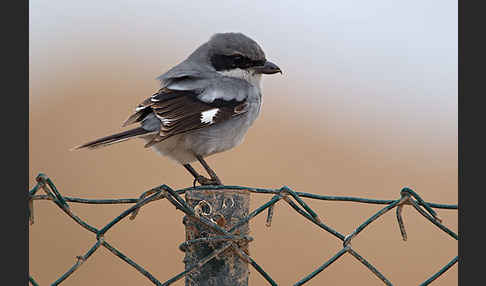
(205, 104)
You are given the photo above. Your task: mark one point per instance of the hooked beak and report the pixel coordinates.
(268, 68)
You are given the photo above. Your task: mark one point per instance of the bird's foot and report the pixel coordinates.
(205, 181)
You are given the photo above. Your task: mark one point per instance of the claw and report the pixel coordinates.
(205, 181)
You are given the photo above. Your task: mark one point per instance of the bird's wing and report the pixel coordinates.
(188, 103)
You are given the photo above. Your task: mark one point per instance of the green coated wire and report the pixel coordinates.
(173, 196)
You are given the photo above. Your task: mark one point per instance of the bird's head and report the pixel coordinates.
(236, 55)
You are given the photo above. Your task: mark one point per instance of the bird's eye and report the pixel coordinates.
(241, 62)
(237, 61)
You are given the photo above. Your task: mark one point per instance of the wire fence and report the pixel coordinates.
(286, 194)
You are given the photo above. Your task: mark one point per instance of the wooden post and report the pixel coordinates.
(226, 208)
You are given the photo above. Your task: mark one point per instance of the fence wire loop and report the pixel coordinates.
(224, 241)
(141, 198)
(421, 202)
(203, 208)
(268, 221)
(405, 199)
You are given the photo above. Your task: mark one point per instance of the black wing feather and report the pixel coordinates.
(181, 111)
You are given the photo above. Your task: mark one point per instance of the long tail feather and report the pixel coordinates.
(115, 138)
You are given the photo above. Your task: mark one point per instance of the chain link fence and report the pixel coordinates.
(229, 239)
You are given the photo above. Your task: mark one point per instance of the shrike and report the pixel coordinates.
(205, 105)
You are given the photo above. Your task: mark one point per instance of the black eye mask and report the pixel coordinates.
(225, 62)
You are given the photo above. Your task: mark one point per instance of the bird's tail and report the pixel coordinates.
(115, 138)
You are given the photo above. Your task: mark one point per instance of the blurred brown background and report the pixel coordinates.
(367, 105)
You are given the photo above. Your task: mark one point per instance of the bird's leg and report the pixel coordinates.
(197, 177)
(214, 178)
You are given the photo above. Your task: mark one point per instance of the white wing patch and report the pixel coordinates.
(208, 116)
(153, 99)
(165, 121)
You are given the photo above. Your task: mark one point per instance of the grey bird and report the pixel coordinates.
(205, 104)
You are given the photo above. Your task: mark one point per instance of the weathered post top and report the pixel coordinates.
(225, 208)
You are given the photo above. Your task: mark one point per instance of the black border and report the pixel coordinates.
(471, 121)
(15, 99)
